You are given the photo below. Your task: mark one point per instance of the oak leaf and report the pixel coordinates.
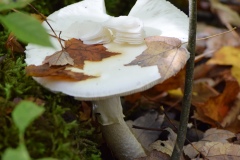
(165, 52)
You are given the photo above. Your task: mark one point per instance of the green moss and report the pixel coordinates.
(3, 39)
(58, 132)
(54, 134)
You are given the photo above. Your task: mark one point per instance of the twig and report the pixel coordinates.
(186, 104)
(215, 35)
(56, 37)
(59, 40)
(146, 128)
(166, 116)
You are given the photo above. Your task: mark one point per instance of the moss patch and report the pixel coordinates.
(58, 133)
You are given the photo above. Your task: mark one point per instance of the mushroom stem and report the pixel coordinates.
(118, 136)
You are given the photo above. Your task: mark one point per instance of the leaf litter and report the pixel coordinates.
(216, 100)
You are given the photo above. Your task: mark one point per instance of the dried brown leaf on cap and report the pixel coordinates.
(59, 58)
(55, 72)
(74, 54)
(81, 52)
(165, 52)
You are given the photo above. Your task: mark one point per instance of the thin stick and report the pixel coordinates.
(215, 35)
(186, 104)
(146, 128)
(48, 24)
(57, 37)
(166, 116)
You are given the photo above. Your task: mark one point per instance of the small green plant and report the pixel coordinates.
(24, 113)
(23, 26)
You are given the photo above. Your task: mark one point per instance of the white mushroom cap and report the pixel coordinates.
(157, 17)
(160, 17)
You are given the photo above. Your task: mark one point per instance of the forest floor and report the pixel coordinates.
(67, 126)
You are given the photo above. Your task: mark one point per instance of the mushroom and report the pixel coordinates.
(87, 20)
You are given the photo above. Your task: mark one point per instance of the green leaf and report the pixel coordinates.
(19, 153)
(26, 28)
(25, 113)
(10, 4)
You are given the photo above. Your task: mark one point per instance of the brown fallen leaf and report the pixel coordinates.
(85, 112)
(211, 138)
(227, 16)
(217, 135)
(151, 119)
(56, 73)
(166, 146)
(59, 58)
(225, 13)
(155, 155)
(231, 121)
(220, 151)
(209, 46)
(74, 54)
(228, 56)
(81, 52)
(165, 52)
(13, 44)
(217, 107)
(201, 93)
